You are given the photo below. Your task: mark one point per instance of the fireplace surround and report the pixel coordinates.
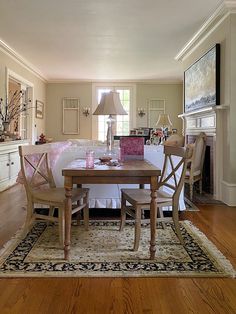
(211, 121)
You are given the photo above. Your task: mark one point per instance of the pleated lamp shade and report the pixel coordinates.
(164, 120)
(110, 105)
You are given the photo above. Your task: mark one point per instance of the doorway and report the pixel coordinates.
(23, 124)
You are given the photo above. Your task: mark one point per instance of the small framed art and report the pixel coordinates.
(39, 109)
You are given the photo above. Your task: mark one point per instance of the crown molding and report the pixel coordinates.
(20, 60)
(150, 81)
(220, 14)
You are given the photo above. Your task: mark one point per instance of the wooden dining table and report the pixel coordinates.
(129, 172)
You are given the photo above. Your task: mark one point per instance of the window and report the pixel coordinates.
(122, 122)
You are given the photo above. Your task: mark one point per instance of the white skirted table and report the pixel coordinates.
(107, 195)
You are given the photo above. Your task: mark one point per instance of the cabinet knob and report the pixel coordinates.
(12, 163)
(8, 164)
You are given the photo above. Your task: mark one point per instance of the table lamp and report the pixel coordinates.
(163, 122)
(110, 105)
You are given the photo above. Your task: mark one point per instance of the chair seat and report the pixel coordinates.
(142, 196)
(57, 195)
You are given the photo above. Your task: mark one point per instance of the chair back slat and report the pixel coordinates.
(35, 149)
(173, 169)
(170, 177)
(35, 166)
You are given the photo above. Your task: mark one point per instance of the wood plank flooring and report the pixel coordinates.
(122, 295)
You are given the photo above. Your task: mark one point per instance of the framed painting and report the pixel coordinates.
(39, 109)
(202, 81)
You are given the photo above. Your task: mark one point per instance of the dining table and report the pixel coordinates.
(129, 172)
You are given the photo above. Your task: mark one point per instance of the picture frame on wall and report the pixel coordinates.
(39, 109)
(202, 81)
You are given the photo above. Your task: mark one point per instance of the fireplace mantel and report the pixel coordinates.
(203, 110)
(211, 121)
(204, 120)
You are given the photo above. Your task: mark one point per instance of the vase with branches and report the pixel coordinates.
(10, 109)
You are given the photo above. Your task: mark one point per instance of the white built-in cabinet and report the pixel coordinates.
(9, 163)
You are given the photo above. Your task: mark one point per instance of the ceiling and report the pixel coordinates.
(103, 39)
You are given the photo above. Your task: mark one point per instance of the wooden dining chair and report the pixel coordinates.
(133, 201)
(40, 188)
(195, 163)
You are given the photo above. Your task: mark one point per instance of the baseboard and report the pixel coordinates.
(228, 193)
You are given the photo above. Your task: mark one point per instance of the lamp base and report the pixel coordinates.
(110, 137)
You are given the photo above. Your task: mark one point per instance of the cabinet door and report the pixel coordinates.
(14, 164)
(4, 167)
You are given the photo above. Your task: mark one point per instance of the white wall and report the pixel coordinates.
(55, 94)
(223, 33)
(232, 113)
(172, 93)
(39, 85)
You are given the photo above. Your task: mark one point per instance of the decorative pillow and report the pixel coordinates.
(132, 148)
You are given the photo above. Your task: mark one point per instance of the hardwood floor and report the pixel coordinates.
(122, 295)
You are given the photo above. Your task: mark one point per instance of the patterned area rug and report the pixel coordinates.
(104, 251)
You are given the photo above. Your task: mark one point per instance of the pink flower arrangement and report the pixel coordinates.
(158, 133)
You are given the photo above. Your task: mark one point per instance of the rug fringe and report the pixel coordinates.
(216, 253)
(20, 233)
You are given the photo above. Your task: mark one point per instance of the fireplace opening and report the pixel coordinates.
(207, 184)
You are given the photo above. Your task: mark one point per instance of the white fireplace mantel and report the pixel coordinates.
(208, 109)
(203, 120)
(211, 121)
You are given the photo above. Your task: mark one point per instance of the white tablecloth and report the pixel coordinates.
(106, 195)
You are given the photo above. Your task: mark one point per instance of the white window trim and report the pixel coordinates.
(132, 88)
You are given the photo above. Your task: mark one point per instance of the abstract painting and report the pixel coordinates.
(202, 81)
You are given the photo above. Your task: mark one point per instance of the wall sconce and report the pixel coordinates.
(86, 111)
(141, 112)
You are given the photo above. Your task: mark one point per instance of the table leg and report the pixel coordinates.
(141, 186)
(68, 210)
(153, 216)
